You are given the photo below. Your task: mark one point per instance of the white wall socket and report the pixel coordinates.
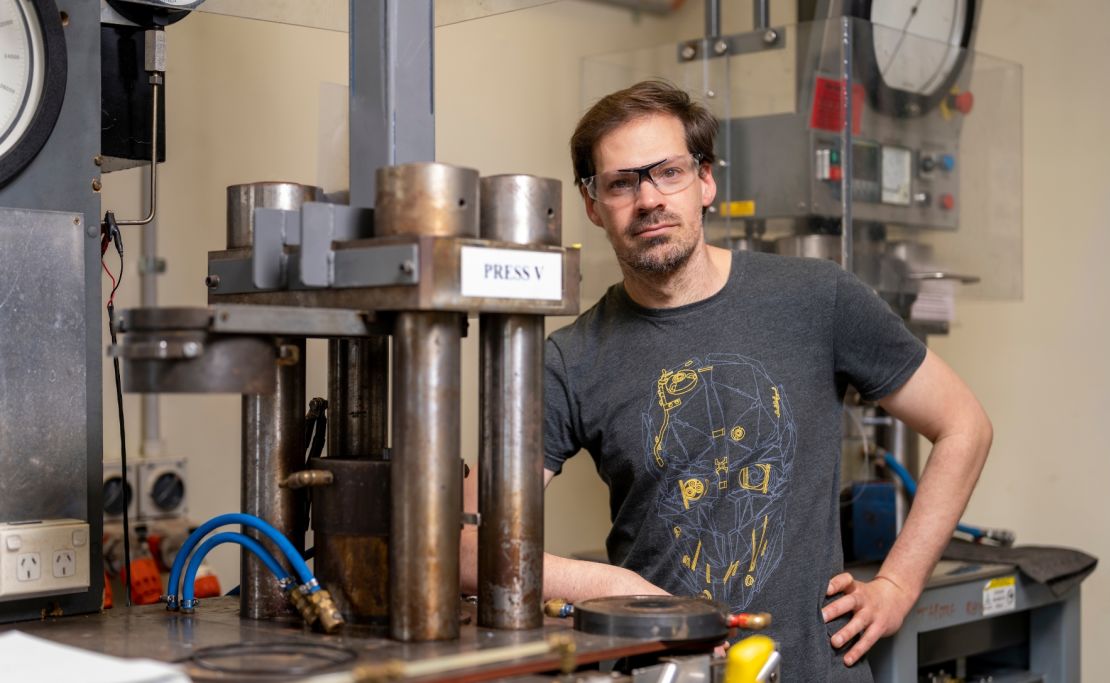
(48, 557)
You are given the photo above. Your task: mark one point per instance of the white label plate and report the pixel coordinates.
(1000, 595)
(511, 274)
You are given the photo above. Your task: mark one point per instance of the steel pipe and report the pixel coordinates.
(524, 210)
(273, 448)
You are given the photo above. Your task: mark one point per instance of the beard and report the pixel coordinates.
(658, 255)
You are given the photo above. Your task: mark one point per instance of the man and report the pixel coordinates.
(708, 387)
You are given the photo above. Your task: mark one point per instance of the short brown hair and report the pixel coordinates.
(643, 99)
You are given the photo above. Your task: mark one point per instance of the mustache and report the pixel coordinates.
(647, 220)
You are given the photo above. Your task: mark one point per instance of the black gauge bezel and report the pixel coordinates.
(892, 101)
(149, 16)
(53, 93)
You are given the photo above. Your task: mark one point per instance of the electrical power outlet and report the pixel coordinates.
(43, 558)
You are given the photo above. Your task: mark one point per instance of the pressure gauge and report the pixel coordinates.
(912, 51)
(32, 80)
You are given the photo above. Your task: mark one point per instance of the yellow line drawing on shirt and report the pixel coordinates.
(776, 401)
(758, 549)
(721, 467)
(731, 570)
(667, 406)
(745, 478)
(718, 433)
(707, 595)
(691, 489)
(692, 564)
(677, 532)
(707, 580)
(737, 433)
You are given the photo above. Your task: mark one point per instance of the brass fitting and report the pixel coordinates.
(750, 621)
(326, 609)
(558, 608)
(301, 602)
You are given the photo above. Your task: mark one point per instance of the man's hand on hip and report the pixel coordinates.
(877, 607)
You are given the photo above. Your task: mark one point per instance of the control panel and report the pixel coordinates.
(49, 557)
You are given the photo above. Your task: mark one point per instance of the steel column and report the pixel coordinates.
(524, 210)
(426, 470)
(392, 114)
(273, 448)
(358, 397)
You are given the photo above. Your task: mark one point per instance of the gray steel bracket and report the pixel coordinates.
(739, 44)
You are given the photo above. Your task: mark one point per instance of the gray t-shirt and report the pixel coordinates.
(717, 427)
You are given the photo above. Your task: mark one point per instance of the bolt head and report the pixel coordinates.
(720, 47)
(688, 52)
(770, 36)
(96, 184)
(212, 281)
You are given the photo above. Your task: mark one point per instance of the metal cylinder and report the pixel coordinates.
(242, 200)
(273, 448)
(426, 199)
(350, 522)
(523, 210)
(426, 477)
(358, 397)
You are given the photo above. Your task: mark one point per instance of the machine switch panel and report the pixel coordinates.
(43, 558)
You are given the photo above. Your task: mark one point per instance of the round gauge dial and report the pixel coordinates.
(32, 80)
(154, 13)
(912, 51)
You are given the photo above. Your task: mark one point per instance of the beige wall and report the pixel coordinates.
(245, 104)
(1040, 365)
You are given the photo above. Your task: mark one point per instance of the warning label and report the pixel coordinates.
(1000, 595)
(828, 105)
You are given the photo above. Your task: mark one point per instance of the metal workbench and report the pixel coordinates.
(968, 610)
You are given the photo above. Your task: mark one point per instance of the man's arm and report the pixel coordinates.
(937, 404)
(563, 577)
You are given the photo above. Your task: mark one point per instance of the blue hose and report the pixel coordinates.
(911, 488)
(211, 542)
(283, 544)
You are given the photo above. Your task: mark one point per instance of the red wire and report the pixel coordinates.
(112, 296)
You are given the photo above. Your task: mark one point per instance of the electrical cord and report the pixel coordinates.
(110, 234)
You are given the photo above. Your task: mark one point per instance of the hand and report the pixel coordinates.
(878, 608)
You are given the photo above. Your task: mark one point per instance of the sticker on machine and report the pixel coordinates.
(511, 274)
(1000, 595)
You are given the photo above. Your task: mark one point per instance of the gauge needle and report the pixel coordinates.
(902, 37)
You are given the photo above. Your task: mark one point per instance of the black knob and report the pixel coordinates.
(928, 164)
(117, 495)
(168, 491)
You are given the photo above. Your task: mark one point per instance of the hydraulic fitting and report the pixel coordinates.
(300, 601)
(752, 622)
(326, 609)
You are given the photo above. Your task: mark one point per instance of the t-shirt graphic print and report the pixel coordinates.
(719, 435)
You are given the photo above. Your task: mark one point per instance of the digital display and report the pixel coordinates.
(865, 161)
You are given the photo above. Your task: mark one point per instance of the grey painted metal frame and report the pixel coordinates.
(1054, 624)
(60, 179)
(392, 113)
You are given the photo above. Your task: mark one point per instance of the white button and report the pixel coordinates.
(14, 542)
(80, 537)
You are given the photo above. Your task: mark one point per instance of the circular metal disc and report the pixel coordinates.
(661, 617)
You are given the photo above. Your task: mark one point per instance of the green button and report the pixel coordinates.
(834, 156)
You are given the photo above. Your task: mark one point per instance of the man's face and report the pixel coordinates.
(656, 232)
